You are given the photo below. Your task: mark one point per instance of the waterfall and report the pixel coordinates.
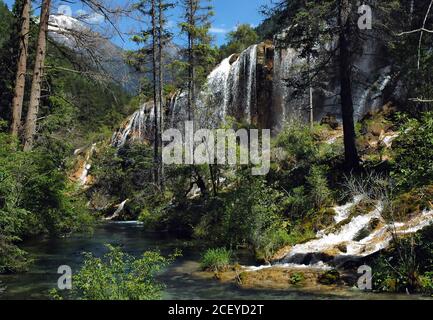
(118, 211)
(217, 92)
(352, 238)
(251, 82)
(136, 128)
(230, 90)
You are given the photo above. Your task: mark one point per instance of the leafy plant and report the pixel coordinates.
(414, 160)
(119, 276)
(216, 260)
(297, 278)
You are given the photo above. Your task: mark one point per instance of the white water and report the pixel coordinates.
(118, 211)
(343, 212)
(230, 90)
(342, 245)
(136, 128)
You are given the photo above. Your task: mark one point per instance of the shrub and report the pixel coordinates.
(414, 160)
(12, 259)
(426, 282)
(329, 277)
(299, 143)
(272, 240)
(216, 260)
(320, 194)
(297, 278)
(119, 276)
(35, 198)
(407, 265)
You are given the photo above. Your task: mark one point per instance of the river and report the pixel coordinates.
(180, 282)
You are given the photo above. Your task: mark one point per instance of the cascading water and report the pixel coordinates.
(136, 127)
(351, 238)
(230, 90)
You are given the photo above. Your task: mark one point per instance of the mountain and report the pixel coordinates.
(103, 53)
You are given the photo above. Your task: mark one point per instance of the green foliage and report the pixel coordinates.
(253, 215)
(414, 148)
(79, 107)
(297, 278)
(407, 265)
(12, 259)
(426, 282)
(8, 52)
(200, 54)
(216, 260)
(119, 276)
(127, 174)
(329, 277)
(319, 192)
(35, 198)
(239, 40)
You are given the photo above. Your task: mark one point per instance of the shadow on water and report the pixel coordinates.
(180, 282)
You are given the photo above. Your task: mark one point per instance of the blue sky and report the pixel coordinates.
(228, 14)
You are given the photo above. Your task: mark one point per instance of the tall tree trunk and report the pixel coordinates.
(20, 80)
(351, 153)
(155, 94)
(35, 95)
(191, 61)
(161, 87)
(311, 93)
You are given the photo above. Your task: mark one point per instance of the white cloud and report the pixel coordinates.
(218, 30)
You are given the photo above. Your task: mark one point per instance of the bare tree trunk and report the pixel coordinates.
(20, 82)
(161, 87)
(311, 93)
(191, 62)
(155, 94)
(351, 152)
(35, 95)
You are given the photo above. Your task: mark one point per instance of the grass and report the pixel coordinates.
(216, 260)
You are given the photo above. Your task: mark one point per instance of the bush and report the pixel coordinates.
(119, 276)
(297, 278)
(329, 277)
(216, 260)
(320, 194)
(407, 265)
(12, 259)
(426, 282)
(35, 198)
(414, 160)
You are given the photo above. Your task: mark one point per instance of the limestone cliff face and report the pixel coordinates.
(252, 88)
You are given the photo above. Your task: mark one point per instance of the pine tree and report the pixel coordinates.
(154, 39)
(312, 26)
(10, 28)
(164, 37)
(20, 80)
(35, 94)
(199, 54)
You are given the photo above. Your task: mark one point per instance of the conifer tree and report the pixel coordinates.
(199, 54)
(20, 79)
(35, 94)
